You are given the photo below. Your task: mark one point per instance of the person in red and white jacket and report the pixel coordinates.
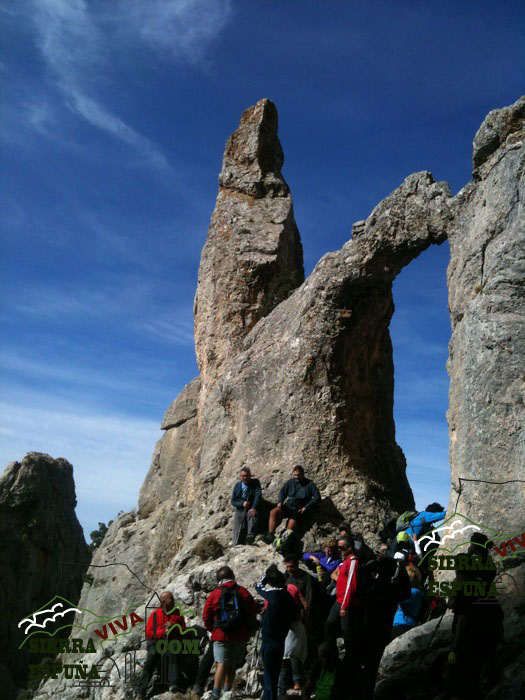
(344, 614)
(229, 645)
(166, 623)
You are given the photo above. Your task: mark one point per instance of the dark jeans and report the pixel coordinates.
(272, 655)
(371, 660)
(337, 626)
(204, 668)
(291, 669)
(167, 666)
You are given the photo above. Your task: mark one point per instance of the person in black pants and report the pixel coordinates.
(278, 617)
(385, 591)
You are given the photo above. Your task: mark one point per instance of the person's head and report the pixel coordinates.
(344, 530)
(291, 564)
(167, 601)
(274, 577)
(298, 472)
(330, 548)
(225, 573)
(434, 508)
(479, 544)
(328, 656)
(345, 545)
(403, 538)
(414, 574)
(245, 475)
(386, 568)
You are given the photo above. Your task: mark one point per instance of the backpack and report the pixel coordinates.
(404, 519)
(230, 610)
(285, 544)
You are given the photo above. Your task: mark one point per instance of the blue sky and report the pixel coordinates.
(114, 118)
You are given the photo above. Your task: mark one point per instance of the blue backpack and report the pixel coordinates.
(230, 611)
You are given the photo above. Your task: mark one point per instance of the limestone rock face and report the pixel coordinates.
(43, 550)
(174, 460)
(297, 372)
(253, 257)
(487, 349)
(314, 383)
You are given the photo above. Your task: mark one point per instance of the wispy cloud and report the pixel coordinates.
(75, 52)
(110, 452)
(132, 304)
(76, 40)
(181, 29)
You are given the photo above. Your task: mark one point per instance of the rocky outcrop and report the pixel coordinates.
(314, 382)
(253, 257)
(43, 552)
(304, 374)
(487, 348)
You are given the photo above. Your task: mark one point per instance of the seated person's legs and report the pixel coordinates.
(276, 516)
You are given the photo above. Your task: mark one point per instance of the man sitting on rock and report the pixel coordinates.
(297, 495)
(230, 615)
(245, 498)
(163, 623)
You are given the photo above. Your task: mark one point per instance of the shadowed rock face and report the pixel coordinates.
(41, 538)
(487, 300)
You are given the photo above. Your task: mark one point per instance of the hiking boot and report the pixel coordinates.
(250, 539)
(268, 538)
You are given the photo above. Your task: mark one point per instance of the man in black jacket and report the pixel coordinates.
(280, 612)
(245, 498)
(296, 496)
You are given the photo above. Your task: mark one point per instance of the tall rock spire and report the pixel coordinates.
(253, 257)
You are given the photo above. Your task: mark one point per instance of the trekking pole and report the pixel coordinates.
(431, 639)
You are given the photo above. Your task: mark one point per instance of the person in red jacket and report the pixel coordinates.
(344, 613)
(163, 623)
(230, 615)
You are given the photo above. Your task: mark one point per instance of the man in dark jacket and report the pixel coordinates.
(281, 611)
(296, 496)
(230, 615)
(245, 499)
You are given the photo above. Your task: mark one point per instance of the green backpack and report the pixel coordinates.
(403, 521)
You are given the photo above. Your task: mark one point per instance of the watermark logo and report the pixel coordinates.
(455, 532)
(42, 637)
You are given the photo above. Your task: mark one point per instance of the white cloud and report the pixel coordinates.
(100, 117)
(180, 28)
(75, 52)
(110, 452)
(130, 303)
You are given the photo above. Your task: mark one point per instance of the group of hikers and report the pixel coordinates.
(344, 591)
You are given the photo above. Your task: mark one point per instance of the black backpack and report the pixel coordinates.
(230, 610)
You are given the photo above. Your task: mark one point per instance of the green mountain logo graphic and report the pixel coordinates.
(456, 530)
(85, 620)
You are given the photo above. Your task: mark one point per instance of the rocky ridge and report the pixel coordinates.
(311, 379)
